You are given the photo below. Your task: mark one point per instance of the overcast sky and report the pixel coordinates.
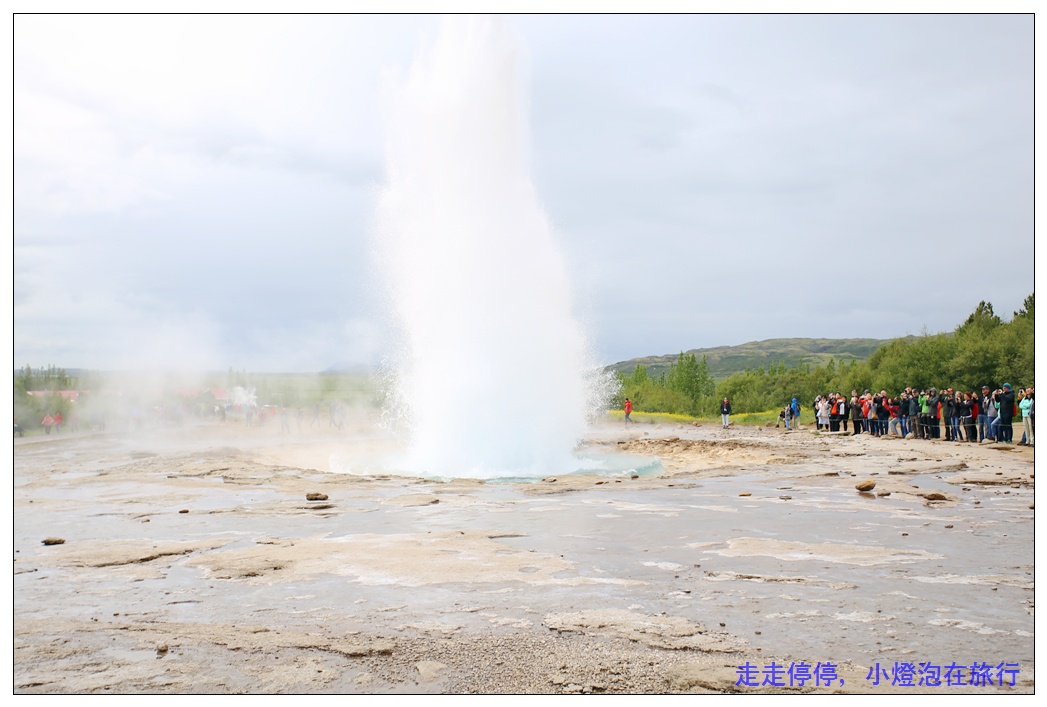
(198, 192)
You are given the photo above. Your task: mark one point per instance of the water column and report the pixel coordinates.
(491, 372)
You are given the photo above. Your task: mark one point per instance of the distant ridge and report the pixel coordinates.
(725, 361)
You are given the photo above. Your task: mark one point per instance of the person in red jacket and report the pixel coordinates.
(628, 411)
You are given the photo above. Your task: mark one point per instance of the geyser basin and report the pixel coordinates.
(584, 462)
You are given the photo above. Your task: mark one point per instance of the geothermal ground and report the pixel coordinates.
(193, 562)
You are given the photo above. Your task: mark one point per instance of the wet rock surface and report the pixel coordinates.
(641, 584)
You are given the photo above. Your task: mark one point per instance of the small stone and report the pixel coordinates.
(867, 485)
(53, 541)
(949, 526)
(882, 492)
(935, 496)
(316, 496)
(635, 476)
(722, 623)
(904, 533)
(184, 510)
(745, 494)
(161, 650)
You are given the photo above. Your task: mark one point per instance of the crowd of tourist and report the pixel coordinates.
(952, 415)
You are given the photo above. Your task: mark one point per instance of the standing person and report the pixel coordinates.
(957, 416)
(894, 426)
(628, 411)
(925, 415)
(983, 417)
(725, 412)
(1026, 406)
(58, 420)
(988, 411)
(970, 412)
(843, 410)
(947, 415)
(914, 413)
(903, 412)
(47, 422)
(992, 416)
(869, 408)
(934, 405)
(794, 407)
(316, 415)
(856, 413)
(883, 414)
(1006, 413)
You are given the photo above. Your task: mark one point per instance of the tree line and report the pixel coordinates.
(983, 350)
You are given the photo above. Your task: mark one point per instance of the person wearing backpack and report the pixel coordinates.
(794, 406)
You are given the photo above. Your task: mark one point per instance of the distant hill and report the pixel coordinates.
(728, 360)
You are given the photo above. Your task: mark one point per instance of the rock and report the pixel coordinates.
(53, 541)
(745, 494)
(949, 526)
(184, 510)
(379, 646)
(935, 496)
(883, 492)
(316, 496)
(161, 650)
(867, 485)
(430, 669)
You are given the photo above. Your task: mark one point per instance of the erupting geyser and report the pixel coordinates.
(493, 378)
